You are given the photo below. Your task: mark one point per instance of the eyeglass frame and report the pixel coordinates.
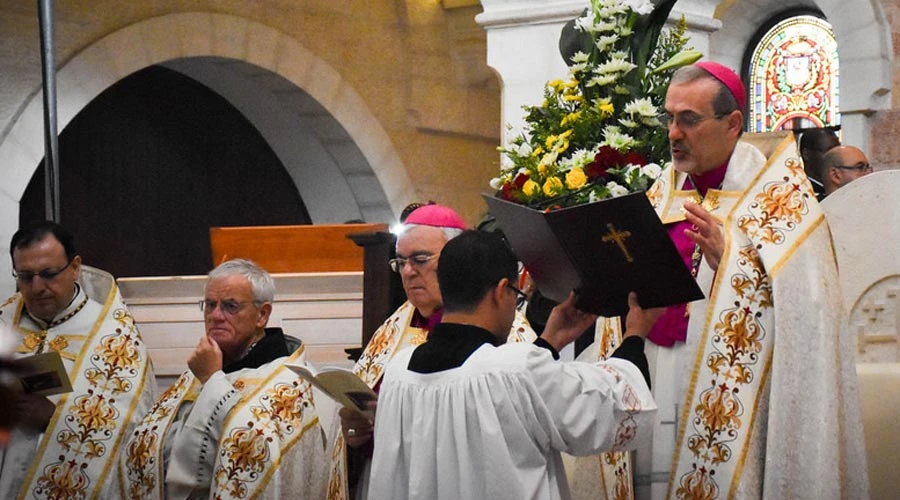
(416, 260)
(521, 297)
(862, 167)
(47, 275)
(221, 304)
(668, 119)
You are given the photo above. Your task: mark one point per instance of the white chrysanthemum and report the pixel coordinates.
(642, 107)
(549, 158)
(602, 80)
(577, 68)
(580, 57)
(651, 121)
(618, 54)
(615, 190)
(628, 123)
(625, 31)
(642, 7)
(585, 24)
(604, 27)
(497, 182)
(620, 141)
(615, 66)
(606, 41)
(621, 90)
(581, 157)
(651, 170)
(524, 149)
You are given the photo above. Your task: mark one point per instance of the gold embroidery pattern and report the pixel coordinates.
(90, 422)
(737, 346)
(336, 480)
(33, 340)
(245, 452)
(622, 483)
(143, 457)
(778, 208)
(58, 344)
(656, 191)
(65, 479)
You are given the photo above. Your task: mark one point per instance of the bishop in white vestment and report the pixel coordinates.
(756, 384)
(466, 416)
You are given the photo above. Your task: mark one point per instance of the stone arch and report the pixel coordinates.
(177, 38)
(864, 45)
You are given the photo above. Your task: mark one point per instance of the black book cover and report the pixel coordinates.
(603, 250)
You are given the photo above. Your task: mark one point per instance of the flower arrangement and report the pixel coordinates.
(597, 134)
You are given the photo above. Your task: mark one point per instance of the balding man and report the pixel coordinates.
(842, 165)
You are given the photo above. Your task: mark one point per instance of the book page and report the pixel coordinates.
(341, 385)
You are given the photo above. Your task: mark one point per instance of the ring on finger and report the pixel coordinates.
(351, 432)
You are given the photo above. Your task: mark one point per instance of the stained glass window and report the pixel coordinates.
(794, 76)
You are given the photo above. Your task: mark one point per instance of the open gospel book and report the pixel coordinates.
(339, 384)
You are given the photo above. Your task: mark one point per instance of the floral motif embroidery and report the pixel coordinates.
(698, 485)
(655, 193)
(245, 452)
(143, 453)
(737, 344)
(65, 479)
(89, 424)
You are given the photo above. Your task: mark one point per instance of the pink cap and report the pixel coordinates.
(728, 78)
(437, 216)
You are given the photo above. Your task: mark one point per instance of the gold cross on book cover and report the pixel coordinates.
(602, 250)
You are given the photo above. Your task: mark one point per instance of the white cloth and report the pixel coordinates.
(494, 427)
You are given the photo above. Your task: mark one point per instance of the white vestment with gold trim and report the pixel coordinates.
(762, 399)
(112, 386)
(394, 335)
(252, 433)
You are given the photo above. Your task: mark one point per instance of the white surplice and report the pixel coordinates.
(494, 427)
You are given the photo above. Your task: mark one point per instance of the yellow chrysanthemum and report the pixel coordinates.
(605, 107)
(569, 118)
(537, 152)
(555, 84)
(530, 188)
(575, 178)
(573, 98)
(542, 170)
(550, 141)
(553, 186)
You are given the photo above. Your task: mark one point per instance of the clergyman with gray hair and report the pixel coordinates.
(182, 447)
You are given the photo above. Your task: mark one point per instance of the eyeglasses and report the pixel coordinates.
(416, 261)
(229, 307)
(686, 120)
(26, 277)
(862, 167)
(521, 296)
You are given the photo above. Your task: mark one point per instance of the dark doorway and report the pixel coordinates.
(150, 165)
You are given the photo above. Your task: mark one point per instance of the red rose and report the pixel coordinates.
(506, 192)
(608, 157)
(594, 170)
(520, 180)
(635, 158)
